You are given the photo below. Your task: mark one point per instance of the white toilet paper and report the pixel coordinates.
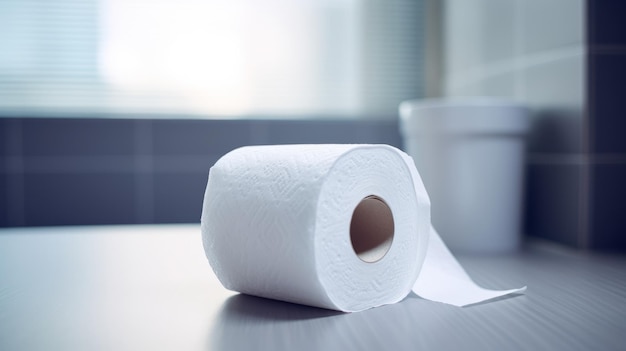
(343, 227)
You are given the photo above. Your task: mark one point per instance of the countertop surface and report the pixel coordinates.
(151, 288)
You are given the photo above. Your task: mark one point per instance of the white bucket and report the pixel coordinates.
(470, 154)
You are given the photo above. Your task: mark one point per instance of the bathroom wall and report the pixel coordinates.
(83, 171)
(565, 58)
(560, 59)
(606, 128)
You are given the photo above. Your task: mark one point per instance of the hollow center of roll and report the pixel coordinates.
(371, 229)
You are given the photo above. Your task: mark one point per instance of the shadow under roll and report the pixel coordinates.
(247, 323)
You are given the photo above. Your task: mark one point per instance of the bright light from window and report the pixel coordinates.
(223, 56)
(209, 58)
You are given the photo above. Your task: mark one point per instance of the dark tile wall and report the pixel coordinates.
(4, 204)
(606, 69)
(607, 97)
(556, 132)
(606, 22)
(77, 137)
(121, 171)
(3, 176)
(608, 221)
(178, 196)
(78, 198)
(555, 173)
(553, 201)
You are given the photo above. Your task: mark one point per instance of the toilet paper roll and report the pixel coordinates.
(343, 227)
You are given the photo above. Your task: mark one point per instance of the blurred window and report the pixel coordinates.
(209, 58)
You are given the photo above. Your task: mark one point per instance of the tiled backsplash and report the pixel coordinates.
(117, 171)
(606, 130)
(566, 59)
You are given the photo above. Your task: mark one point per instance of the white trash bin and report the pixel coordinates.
(470, 154)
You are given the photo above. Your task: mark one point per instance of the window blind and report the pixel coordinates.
(209, 58)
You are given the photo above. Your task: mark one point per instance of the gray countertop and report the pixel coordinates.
(151, 288)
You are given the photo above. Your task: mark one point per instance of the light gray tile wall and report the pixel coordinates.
(532, 51)
(501, 48)
(550, 24)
